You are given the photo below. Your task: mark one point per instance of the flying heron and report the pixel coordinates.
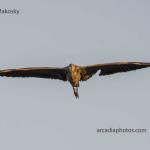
(74, 73)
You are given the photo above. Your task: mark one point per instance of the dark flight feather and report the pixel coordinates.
(111, 68)
(39, 72)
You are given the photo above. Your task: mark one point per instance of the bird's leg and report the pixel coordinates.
(75, 89)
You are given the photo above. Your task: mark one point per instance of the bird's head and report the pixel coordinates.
(70, 65)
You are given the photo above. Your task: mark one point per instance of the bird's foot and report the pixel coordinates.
(75, 89)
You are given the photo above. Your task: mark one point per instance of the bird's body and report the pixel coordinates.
(74, 77)
(74, 73)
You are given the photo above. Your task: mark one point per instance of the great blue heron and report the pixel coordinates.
(74, 73)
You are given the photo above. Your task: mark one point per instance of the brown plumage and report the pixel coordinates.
(74, 73)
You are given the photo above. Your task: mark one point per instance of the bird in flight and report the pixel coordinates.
(74, 73)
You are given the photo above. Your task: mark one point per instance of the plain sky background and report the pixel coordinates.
(43, 114)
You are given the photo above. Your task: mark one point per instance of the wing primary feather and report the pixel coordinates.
(111, 68)
(41, 72)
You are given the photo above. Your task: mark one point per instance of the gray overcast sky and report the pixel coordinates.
(43, 114)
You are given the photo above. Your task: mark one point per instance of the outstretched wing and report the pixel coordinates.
(111, 68)
(38, 72)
